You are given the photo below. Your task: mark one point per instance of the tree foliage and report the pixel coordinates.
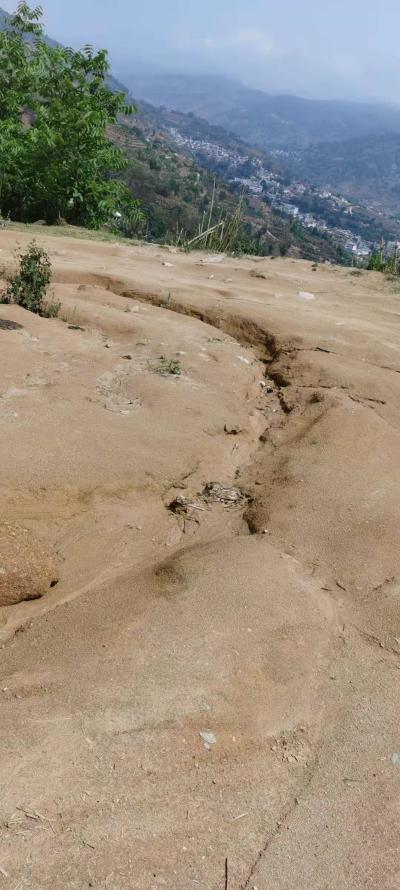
(55, 108)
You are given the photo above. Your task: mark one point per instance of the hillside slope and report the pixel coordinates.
(182, 198)
(177, 192)
(270, 121)
(192, 703)
(285, 178)
(367, 169)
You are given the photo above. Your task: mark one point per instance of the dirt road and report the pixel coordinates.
(209, 695)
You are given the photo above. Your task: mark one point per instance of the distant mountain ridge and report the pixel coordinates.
(269, 121)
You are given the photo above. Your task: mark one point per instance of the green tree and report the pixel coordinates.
(55, 109)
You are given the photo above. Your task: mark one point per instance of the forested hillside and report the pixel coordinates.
(366, 169)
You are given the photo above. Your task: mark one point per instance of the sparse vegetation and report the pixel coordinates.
(223, 236)
(166, 367)
(382, 262)
(28, 287)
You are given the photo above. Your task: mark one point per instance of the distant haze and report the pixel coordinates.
(315, 48)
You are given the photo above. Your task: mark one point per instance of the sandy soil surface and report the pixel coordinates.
(208, 697)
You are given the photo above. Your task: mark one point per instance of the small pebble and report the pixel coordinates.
(208, 738)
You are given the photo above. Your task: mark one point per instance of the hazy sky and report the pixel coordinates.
(322, 48)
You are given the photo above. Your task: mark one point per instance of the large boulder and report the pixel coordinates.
(27, 569)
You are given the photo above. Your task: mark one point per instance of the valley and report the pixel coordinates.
(346, 189)
(297, 197)
(355, 229)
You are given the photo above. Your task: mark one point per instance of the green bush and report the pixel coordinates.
(377, 263)
(28, 287)
(56, 106)
(130, 220)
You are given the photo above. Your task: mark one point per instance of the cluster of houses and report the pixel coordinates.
(211, 149)
(263, 183)
(268, 185)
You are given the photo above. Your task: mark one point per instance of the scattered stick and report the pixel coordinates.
(196, 507)
(36, 816)
(204, 234)
(226, 874)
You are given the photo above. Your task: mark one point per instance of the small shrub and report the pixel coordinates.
(130, 221)
(50, 309)
(377, 263)
(29, 286)
(167, 366)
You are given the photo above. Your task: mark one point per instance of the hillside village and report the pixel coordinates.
(251, 175)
